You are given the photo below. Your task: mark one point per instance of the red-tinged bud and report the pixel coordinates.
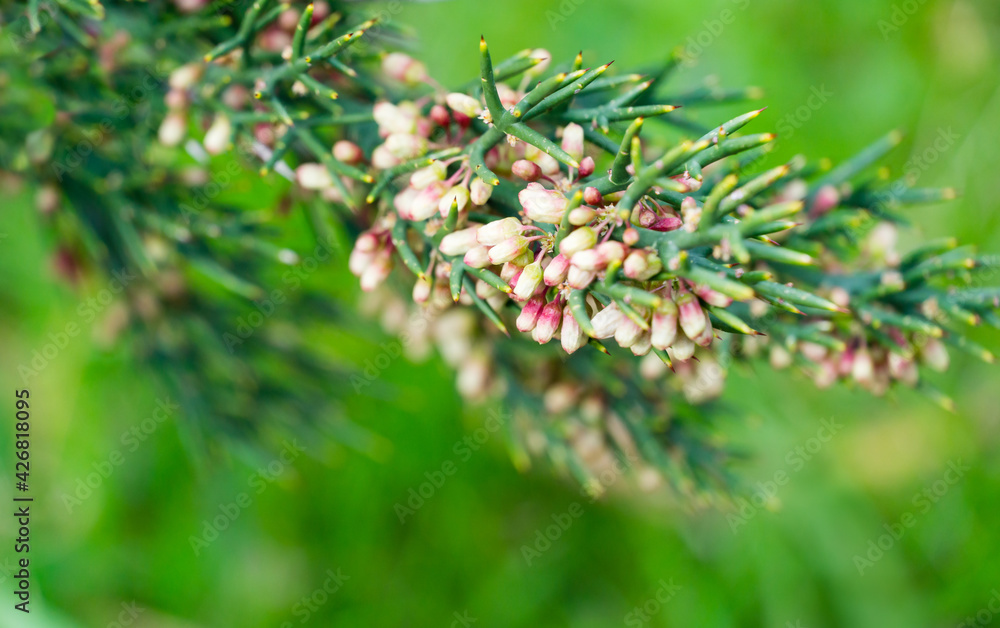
(642, 265)
(477, 257)
(779, 357)
(572, 141)
(691, 213)
(509, 249)
(607, 321)
(395, 119)
(480, 191)
(527, 170)
(712, 297)
(827, 198)
(404, 68)
(935, 355)
(422, 290)
(403, 202)
(664, 327)
(611, 251)
(528, 282)
(548, 323)
(707, 335)
(628, 332)
(377, 271)
(458, 194)
(495, 232)
(528, 317)
(587, 166)
(382, 159)
(690, 315)
(642, 345)
(461, 119)
(556, 271)
(666, 223)
(845, 362)
(863, 369)
(459, 242)
(581, 216)
(589, 260)
(464, 104)
(313, 176)
(903, 370)
(689, 182)
(580, 239)
(593, 196)
(347, 152)
(682, 349)
(425, 203)
(579, 278)
(509, 272)
(571, 335)
(359, 260)
(439, 116)
(631, 237)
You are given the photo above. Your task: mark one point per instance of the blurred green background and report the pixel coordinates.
(924, 67)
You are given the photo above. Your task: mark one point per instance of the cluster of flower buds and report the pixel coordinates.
(372, 257)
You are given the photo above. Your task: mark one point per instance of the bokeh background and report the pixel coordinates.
(926, 67)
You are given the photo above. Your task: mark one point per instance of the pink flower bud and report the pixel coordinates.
(425, 204)
(863, 369)
(607, 321)
(480, 191)
(186, 76)
(495, 232)
(527, 170)
(666, 223)
(555, 272)
(581, 239)
(571, 336)
(712, 297)
(382, 159)
(935, 355)
(457, 194)
(589, 260)
(581, 216)
(548, 323)
(611, 251)
(707, 335)
(459, 242)
(377, 271)
(579, 278)
(313, 176)
(631, 237)
(642, 345)
(404, 68)
(903, 370)
(439, 115)
(392, 118)
(477, 257)
(541, 204)
(347, 152)
(692, 318)
(682, 349)
(587, 166)
(572, 141)
(464, 104)
(509, 249)
(217, 137)
(642, 265)
(421, 290)
(593, 196)
(359, 260)
(628, 332)
(664, 327)
(405, 146)
(827, 197)
(528, 317)
(528, 282)
(420, 179)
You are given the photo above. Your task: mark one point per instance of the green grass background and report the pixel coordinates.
(461, 552)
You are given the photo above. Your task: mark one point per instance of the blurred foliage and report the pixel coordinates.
(461, 552)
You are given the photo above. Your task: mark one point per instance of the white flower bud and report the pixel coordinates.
(404, 68)
(541, 204)
(480, 192)
(495, 232)
(313, 176)
(173, 130)
(607, 321)
(217, 137)
(528, 282)
(458, 194)
(459, 242)
(579, 240)
(464, 104)
(572, 141)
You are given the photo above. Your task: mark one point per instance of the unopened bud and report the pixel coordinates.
(457, 194)
(477, 257)
(555, 272)
(347, 152)
(313, 176)
(579, 278)
(464, 104)
(571, 336)
(480, 191)
(607, 321)
(495, 232)
(420, 179)
(572, 141)
(581, 216)
(527, 170)
(528, 282)
(509, 249)
(548, 323)
(217, 137)
(587, 166)
(593, 196)
(173, 129)
(664, 327)
(692, 318)
(528, 317)
(580, 239)
(404, 68)
(459, 242)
